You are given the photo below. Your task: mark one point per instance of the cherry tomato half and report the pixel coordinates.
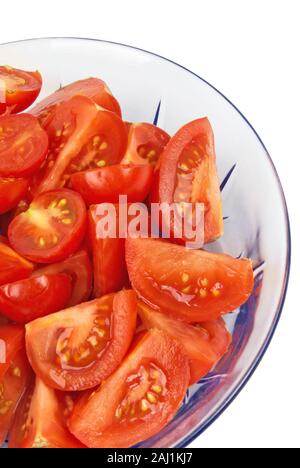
(11, 192)
(21, 88)
(13, 267)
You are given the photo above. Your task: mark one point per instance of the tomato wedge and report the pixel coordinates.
(93, 88)
(205, 344)
(40, 421)
(77, 348)
(107, 184)
(82, 136)
(21, 88)
(138, 400)
(11, 192)
(78, 268)
(192, 285)
(188, 174)
(13, 267)
(51, 229)
(29, 299)
(23, 145)
(146, 143)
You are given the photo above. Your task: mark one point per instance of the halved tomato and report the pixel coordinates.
(188, 174)
(205, 344)
(11, 342)
(82, 136)
(51, 229)
(11, 192)
(77, 348)
(146, 143)
(40, 421)
(29, 299)
(93, 88)
(107, 184)
(139, 399)
(23, 145)
(192, 285)
(13, 267)
(21, 88)
(78, 268)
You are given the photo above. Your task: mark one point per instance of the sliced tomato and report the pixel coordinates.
(107, 184)
(29, 299)
(192, 285)
(21, 88)
(13, 267)
(188, 174)
(23, 145)
(11, 192)
(78, 268)
(11, 342)
(93, 88)
(78, 348)
(51, 229)
(12, 387)
(138, 400)
(205, 344)
(146, 143)
(40, 421)
(82, 136)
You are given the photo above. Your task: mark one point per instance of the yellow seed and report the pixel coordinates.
(144, 405)
(187, 290)
(155, 374)
(204, 282)
(54, 203)
(96, 141)
(42, 242)
(103, 146)
(66, 357)
(93, 341)
(184, 167)
(101, 163)
(66, 221)
(119, 413)
(132, 411)
(58, 133)
(65, 212)
(54, 239)
(215, 292)
(203, 292)
(17, 372)
(151, 397)
(151, 154)
(62, 146)
(196, 153)
(156, 388)
(62, 202)
(100, 332)
(185, 277)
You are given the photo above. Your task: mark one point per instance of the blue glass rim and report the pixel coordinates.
(241, 384)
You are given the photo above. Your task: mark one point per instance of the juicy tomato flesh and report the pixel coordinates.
(21, 88)
(29, 299)
(107, 184)
(192, 285)
(51, 229)
(78, 348)
(140, 398)
(11, 192)
(23, 145)
(13, 267)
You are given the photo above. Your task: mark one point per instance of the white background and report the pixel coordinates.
(250, 51)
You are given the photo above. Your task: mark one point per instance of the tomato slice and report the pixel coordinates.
(12, 341)
(192, 285)
(78, 268)
(205, 344)
(23, 145)
(29, 299)
(51, 229)
(93, 88)
(21, 88)
(188, 174)
(13, 267)
(40, 420)
(107, 184)
(82, 136)
(11, 192)
(77, 348)
(138, 400)
(146, 143)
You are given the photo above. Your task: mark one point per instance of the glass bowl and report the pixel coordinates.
(153, 89)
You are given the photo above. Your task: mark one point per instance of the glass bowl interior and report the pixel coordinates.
(153, 89)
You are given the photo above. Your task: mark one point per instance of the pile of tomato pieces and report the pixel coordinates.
(101, 337)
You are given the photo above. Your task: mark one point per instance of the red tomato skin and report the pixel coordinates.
(107, 184)
(23, 96)
(13, 267)
(35, 297)
(11, 192)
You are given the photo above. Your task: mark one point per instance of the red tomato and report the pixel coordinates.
(29, 299)
(146, 143)
(11, 342)
(11, 192)
(51, 229)
(192, 285)
(106, 184)
(78, 348)
(22, 88)
(13, 267)
(188, 174)
(204, 349)
(82, 136)
(93, 88)
(78, 268)
(23, 145)
(40, 420)
(138, 400)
